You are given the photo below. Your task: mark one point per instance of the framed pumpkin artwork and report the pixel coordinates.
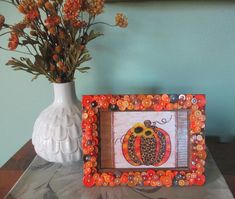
(144, 140)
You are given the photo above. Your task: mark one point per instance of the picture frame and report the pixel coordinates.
(144, 140)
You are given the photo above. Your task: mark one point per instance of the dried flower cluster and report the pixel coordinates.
(54, 34)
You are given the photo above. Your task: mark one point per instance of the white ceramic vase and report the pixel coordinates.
(57, 131)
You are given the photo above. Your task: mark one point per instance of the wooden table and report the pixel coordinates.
(11, 171)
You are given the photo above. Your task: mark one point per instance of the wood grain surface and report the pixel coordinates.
(11, 171)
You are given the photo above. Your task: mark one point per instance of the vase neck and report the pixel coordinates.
(64, 93)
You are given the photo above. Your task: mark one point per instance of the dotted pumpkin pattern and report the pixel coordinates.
(150, 177)
(147, 146)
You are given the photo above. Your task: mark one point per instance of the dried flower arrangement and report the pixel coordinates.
(55, 34)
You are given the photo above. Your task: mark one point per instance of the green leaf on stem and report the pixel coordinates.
(92, 35)
(83, 69)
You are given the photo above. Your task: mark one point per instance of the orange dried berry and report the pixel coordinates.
(40, 3)
(65, 69)
(21, 8)
(121, 20)
(49, 6)
(55, 57)
(52, 30)
(61, 34)
(58, 48)
(52, 67)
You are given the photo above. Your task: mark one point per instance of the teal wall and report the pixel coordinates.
(169, 47)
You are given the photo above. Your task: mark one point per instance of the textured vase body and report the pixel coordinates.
(57, 132)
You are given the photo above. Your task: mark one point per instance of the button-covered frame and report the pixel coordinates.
(92, 104)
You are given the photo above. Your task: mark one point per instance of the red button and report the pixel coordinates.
(200, 180)
(88, 181)
(151, 172)
(201, 100)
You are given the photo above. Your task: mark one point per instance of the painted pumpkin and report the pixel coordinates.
(145, 144)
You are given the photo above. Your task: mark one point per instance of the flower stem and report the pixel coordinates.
(10, 2)
(18, 51)
(107, 24)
